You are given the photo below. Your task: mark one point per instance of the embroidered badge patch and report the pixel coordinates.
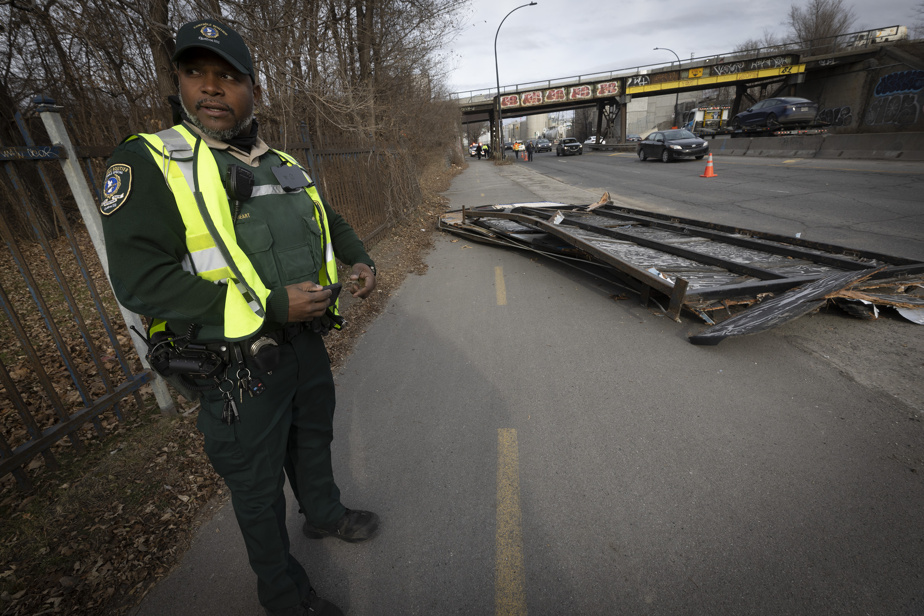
(116, 188)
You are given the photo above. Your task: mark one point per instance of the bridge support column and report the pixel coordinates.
(601, 109)
(496, 152)
(623, 103)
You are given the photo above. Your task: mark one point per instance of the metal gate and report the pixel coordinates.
(63, 366)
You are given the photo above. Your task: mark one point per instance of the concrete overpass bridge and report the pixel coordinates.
(787, 67)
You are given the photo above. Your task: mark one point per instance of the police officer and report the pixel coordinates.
(226, 244)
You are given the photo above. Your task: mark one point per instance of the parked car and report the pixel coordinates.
(473, 149)
(670, 144)
(508, 145)
(543, 145)
(789, 111)
(569, 145)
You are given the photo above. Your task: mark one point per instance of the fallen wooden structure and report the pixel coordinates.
(739, 281)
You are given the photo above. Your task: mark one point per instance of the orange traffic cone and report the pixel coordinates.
(709, 172)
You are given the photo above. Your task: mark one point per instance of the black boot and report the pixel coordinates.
(354, 526)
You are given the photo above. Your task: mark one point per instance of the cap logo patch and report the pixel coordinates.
(116, 188)
(209, 32)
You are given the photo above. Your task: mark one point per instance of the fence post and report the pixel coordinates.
(54, 126)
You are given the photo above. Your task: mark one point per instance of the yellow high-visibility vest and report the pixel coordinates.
(190, 169)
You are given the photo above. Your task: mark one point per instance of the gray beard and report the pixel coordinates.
(220, 135)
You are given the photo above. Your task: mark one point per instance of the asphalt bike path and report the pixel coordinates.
(538, 442)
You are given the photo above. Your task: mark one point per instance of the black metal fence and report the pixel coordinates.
(63, 366)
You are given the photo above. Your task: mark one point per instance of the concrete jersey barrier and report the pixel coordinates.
(873, 146)
(898, 146)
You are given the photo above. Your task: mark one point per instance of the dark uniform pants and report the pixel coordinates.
(289, 426)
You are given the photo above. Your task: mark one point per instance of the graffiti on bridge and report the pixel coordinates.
(774, 62)
(728, 69)
(903, 82)
(559, 95)
(901, 109)
(610, 88)
(894, 101)
(836, 116)
(733, 68)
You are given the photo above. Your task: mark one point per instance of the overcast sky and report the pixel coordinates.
(564, 38)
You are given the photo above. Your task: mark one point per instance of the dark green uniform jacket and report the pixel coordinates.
(145, 239)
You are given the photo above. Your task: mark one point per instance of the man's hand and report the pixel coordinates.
(362, 279)
(307, 300)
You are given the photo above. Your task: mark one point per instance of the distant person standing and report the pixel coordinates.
(529, 151)
(478, 150)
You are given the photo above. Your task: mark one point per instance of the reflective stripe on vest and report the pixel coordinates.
(191, 172)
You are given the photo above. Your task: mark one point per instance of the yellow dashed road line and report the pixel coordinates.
(499, 287)
(510, 578)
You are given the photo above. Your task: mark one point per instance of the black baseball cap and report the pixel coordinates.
(215, 36)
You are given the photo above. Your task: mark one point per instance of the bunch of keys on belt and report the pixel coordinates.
(252, 384)
(229, 412)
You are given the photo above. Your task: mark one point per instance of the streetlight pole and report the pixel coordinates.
(500, 120)
(676, 94)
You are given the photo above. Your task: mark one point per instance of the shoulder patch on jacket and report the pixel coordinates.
(116, 188)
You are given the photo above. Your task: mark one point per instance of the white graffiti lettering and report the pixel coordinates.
(728, 69)
(774, 62)
(39, 152)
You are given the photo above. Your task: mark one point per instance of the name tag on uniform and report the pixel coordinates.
(291, 178)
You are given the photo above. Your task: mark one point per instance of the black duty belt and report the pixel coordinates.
(263, 348)
(283, 334)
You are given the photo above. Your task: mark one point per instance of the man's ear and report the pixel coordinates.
(257, 94)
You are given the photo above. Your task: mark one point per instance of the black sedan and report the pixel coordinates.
(569, 145)
(670, 144)
(773, 112)
(543, 145)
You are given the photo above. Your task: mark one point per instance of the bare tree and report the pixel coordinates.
(917, 25)
(364, 72)
(819, 23)
(768, 40)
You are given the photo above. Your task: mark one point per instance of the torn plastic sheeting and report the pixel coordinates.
(780, 309)
(915, 315)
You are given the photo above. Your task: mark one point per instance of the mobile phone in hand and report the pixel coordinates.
(334, 291)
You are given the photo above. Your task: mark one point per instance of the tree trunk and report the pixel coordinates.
(161, 42)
